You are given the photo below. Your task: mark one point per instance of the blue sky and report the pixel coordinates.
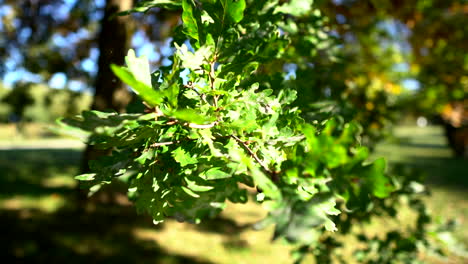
(142, 47)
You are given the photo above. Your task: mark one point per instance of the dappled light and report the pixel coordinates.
(234, 131)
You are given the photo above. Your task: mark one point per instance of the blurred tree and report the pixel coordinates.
(435, 35)
(49, 37)
(244, 62)
(431, 39)
(4, 107)
(353, 72)
(50, 104)
(113, 42)
(18, 100)
(34, 102)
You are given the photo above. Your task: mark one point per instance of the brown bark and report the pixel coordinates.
(114, 40)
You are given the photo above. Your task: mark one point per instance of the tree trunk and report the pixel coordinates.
(111, 94)
(114, 41)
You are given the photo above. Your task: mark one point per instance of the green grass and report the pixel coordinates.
(38, 210)
(41, 221)
(425, 149)
(26, 131)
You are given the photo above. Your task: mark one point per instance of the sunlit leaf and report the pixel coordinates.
(147, 93)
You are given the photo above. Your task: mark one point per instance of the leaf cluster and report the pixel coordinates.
(233, 126)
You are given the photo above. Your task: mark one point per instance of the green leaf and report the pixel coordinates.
(297, 220)
(143, 6)
(138, 67)
(86, 177)
(183, 157)
(190, 192)
(190, 22)
(375, 178)
(102, 123)
(194, 61)
(65, 128)
(207, 137)
(197, 188)
(234, 9)
(208, 1)
(206, 18)
(295, 7)
(148, 94)
(146, 155)
(192, 116)
(214, 174)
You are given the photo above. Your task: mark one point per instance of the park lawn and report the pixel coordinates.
(446, 177)
(42, 223)
(25, 132)
(35, 135)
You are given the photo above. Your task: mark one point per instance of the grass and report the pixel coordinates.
(25, 131)
(41, 222)
(34, 135)
(447, 177)
(426, 149)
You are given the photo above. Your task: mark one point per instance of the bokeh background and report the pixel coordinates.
(401, 71)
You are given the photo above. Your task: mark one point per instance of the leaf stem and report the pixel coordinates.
(212, 80)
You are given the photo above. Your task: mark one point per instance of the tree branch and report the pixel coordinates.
(210, 125)
(158, 144)
(212, 76)
(265, 168)
(202, 96)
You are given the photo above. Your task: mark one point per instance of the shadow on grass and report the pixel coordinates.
(68, 235)
(221, 225)
(426, 149)
(446, 172)
(102, 236)
(424, 145)
(24, 171)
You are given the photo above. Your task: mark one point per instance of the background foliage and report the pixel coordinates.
(234, 122)
(278, 102)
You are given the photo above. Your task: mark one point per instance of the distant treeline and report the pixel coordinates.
(32, 102)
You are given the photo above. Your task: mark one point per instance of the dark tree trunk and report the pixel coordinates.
(111, 94)
(114, 41)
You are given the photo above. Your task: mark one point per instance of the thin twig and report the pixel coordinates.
(212, 80)
(253, 155)
(190, 86)
(158, 144)
(210, 125)
(290, 139)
